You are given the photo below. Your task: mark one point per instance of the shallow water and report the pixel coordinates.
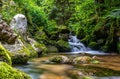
(38, 69)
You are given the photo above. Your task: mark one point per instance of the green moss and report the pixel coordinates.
(4, 56)
(63, 46)
(42, 47)
(93, 45)
(52, 49)
(24, 50)
(118, 46)
(80, 33)
(21, 56)
(32, 51)
(7, 72)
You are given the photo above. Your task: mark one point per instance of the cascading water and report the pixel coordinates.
(78, 47)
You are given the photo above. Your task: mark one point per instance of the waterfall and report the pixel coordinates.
(78, 47)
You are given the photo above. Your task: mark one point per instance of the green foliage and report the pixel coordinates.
(7, 72)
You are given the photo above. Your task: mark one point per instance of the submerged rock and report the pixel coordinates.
(7, 72)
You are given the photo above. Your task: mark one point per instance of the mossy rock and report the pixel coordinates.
(33, 52)
(59, 59)
(19, 53)
(52, 49)
(7, 72)
(82, 60)
(4, 56)
(63, 46)
(19, 58)
(41, 48)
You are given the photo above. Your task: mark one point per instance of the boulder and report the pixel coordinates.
(18, 52)
(19, 25)
(6, 33)
(59, 59)
(82, 60)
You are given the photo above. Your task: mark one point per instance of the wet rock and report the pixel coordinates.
(82, 60)
(59, 59)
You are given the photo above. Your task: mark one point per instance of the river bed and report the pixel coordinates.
(108, 68)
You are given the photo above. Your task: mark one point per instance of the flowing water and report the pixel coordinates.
(108, 68)
(78, 47)
(38, 68)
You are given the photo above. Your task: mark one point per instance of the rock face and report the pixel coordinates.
(19, 24)
(6, 33)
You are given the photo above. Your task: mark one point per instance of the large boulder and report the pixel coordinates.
(19, 52)
(19, 24)
(6, 33)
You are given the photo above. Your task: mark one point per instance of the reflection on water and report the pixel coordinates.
(37, 69)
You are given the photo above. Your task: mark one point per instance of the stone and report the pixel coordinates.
(6, 33)
(82, 60)
(59, 59)
(19, 25)
(18, 52)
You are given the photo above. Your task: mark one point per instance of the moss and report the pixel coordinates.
(4, 56)
(93, 45)
(24, 50)
(83, 60)
(62, 46)
(42, 47)
(87, 78)
(7, 72)
(32, 51)
(21, 56)
(118, 46)
(52, 49)
(80, 33)
(59, 59)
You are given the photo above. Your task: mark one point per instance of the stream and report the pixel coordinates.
(108, 68)
(38, 69)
